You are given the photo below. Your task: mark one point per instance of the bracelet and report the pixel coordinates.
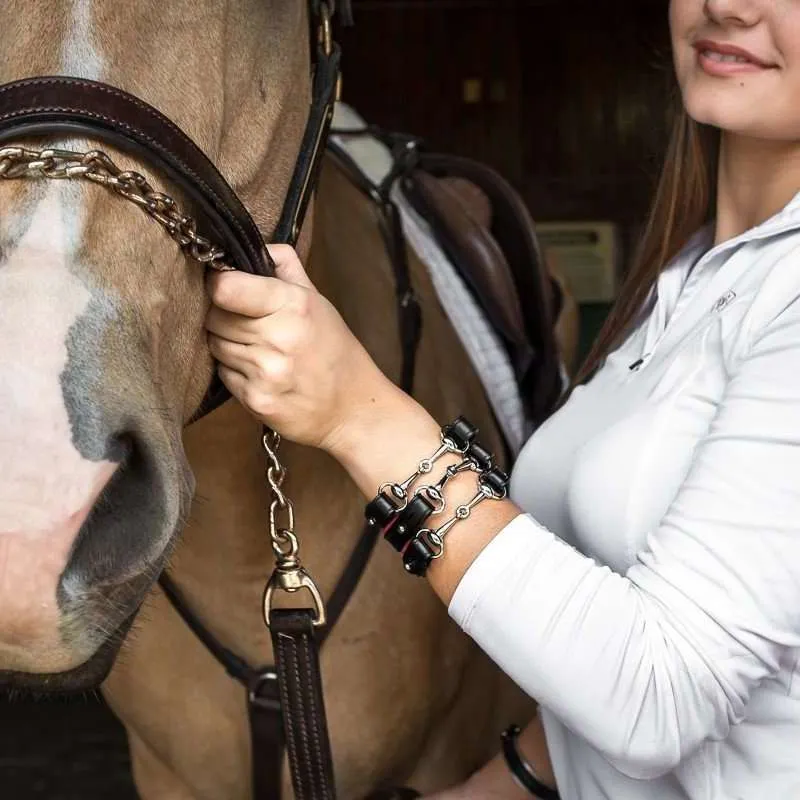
(522, 771)
(382, 511)
(428, 545)
(402, 518)
(430, 500)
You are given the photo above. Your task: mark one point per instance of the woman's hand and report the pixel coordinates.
(286, 354)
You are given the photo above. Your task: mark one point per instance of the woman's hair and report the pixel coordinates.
(683, 203)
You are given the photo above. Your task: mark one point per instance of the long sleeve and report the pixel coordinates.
(649, 665)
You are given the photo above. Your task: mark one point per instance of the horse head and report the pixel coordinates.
(103, 356)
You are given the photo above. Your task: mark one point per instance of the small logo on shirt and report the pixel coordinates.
(723, 302)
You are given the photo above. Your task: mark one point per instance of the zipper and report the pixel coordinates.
(722, 302)
(638, 364)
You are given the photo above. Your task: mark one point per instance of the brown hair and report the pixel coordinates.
(684, 202)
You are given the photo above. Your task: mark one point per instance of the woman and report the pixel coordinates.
(658, 624)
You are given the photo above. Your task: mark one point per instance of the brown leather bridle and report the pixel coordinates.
(44, 106)
(285, 702)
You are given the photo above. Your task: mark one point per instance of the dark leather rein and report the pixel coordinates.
(285, 702)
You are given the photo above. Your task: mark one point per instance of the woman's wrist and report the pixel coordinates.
(382, 441)
(496, 780)
(383, 436)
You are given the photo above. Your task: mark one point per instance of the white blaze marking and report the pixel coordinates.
(79, 56)
(44, 480)
(46, 486)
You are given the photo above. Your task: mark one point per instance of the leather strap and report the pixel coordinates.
(74, 106)
(264, 708)
(266, 734)
(309, 159)
(391, 226)
(304, 721)
(235, 666)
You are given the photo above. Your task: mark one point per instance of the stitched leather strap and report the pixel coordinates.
(266, 735)
(304, 721)
(73, 106)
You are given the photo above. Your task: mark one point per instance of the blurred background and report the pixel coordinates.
(569, 100)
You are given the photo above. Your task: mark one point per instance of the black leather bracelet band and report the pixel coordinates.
(521, 770)
(409, 522)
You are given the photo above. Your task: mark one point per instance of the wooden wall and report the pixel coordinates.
(573, 94)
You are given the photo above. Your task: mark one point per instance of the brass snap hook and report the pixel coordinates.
(290, 577)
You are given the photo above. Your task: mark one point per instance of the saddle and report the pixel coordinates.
(486, 231)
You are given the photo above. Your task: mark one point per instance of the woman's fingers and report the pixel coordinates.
(288, 266)
(248, 295)
(256, 295)
(286, 332)
(241, 304)
(257, 362)
(233, 355)
(235, 382)
(253, 375)
(234, 327)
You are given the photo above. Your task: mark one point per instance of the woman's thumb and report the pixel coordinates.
(288, 266)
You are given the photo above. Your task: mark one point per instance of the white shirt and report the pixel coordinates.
(658, 625)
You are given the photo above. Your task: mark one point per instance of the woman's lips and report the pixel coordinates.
(717, 58)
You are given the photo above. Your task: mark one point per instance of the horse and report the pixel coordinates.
(103, 364)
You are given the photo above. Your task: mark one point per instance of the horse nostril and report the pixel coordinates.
(121, 447)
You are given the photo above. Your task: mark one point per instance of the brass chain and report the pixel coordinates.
(98, 168)
(289, 575)
(282, 537)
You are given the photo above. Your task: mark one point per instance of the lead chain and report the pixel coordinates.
(289, 574)
(98, 167)
(283, 538)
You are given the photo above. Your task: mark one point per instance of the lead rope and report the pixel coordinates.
(294, 645)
